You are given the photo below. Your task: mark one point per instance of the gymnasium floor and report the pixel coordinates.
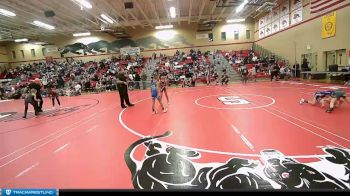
(217, 137)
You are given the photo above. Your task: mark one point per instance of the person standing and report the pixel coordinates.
(244, 72)
(123, 89)
(54, 95)
(37, 86)
(155, 93)
(31, 99)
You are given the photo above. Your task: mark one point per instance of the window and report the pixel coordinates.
(247, 33)
(43, 51)
(223, 36)
(22, 54)
(32, 51)
(236, 34)
(13, 54)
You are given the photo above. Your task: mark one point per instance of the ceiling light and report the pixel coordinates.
(108, 19)
(43, 25)
(21, 40)
(164, 27)
(236, 20)
(103, 21)
(84, 3)
(7, 13)
(240, 7)
(172, 12)
(81, 34)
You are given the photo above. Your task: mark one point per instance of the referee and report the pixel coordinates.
(123, 89)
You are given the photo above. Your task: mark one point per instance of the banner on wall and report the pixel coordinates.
(49, 59)
(130, 51)
(275, 26)
(329, 25)
(284, 8)
(262, 22)
(202, 36)
(268, 18)
(50, 49)
(261, 33)
(296, 4)
(268, 30)
(297, 16)
(284, 22)
(275, 14)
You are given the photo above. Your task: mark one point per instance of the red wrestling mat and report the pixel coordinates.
(253, 136)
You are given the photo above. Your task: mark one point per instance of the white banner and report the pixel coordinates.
(268, 18)
(130, 51)
(284, 8)
(268, 30)
(202, 36)
(262, 22)
(261, 33)
(297, 16)
(51, 49)
(275, 14)
(284, 22)
(275, 26)
(296, 4)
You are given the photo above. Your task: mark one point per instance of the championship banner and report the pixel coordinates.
(130, 51)
(261, 33)
(284, 8)
(329, 25)
(275, 26)
(49, 59)
(275, 14)
(268, 30)
(284, 22)
(296, 16)
(262, 22)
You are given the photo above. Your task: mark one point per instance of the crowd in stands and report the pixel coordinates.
(188, 69)
(70, 77)
(251, 65)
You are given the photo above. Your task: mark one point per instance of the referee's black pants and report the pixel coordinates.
(124, 97)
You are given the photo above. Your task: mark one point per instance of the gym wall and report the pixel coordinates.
(182, 38)
(305, 38)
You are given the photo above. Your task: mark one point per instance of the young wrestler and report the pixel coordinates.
(155, 93)
(319, 97)
(337, 98)
(163, 89)
(54, 95)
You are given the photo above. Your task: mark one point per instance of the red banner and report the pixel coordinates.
(49, 59)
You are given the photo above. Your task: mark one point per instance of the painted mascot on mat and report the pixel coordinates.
(168, 167)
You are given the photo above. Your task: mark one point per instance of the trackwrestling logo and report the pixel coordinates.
(14, 192)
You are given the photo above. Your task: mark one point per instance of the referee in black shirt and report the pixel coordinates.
(123, 89)
(37, 86)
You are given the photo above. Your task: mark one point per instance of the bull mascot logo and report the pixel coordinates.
(167, 167)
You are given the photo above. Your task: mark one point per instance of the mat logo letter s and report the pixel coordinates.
(233, 100)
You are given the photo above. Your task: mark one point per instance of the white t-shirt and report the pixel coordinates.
(77, 87)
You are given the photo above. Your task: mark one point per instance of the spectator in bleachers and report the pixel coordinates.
(2, 92)
(253, 73)
(244, 72)
(275, 72)
(224, 78)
